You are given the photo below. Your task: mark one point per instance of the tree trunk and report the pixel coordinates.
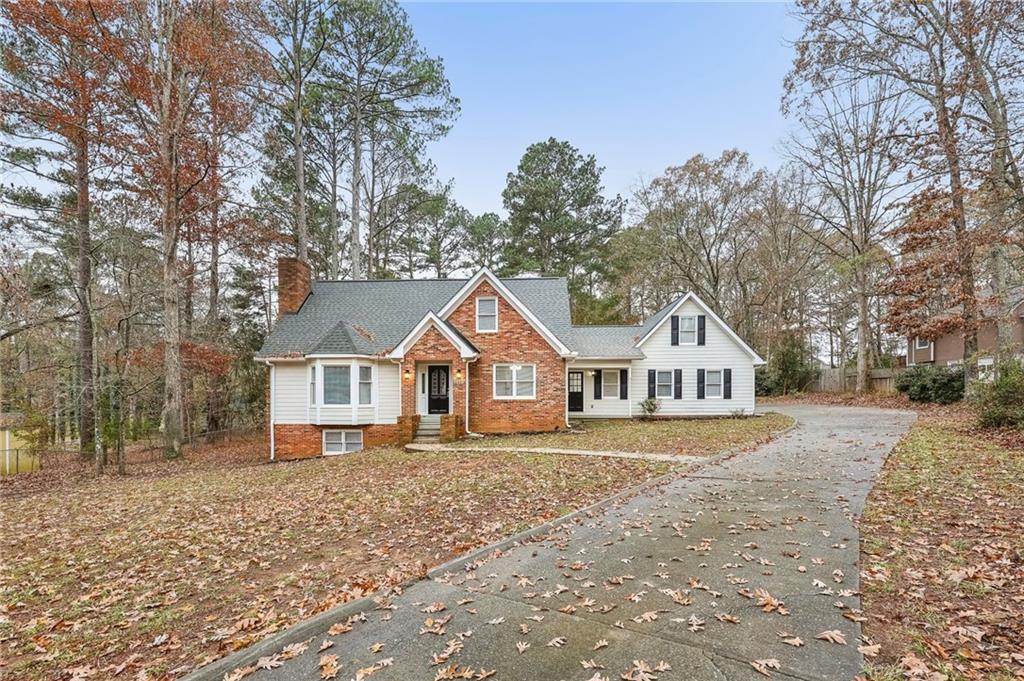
(214, 390)
(301, 234)
(863, 334)
(170, 417)
(963, 245)
(355, 245)
(332, 216)
(87, 408)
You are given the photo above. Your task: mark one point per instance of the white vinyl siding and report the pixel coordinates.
(291, 390)
(389, 392)
(605, 407)
(719, 352)
(300, 389)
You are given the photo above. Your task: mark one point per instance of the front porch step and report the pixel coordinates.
(429, 429)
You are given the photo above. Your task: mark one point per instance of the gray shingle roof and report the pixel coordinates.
(371, 317)
(606, 341)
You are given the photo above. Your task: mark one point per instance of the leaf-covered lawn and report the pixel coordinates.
(151, 575)
(943, 556)
(693, 437)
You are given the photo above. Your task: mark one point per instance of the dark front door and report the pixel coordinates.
(437, 392)
(575, 391)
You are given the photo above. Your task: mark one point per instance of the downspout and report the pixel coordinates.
(470, 433)
(273, 386)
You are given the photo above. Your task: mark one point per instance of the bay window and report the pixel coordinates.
(337, 385)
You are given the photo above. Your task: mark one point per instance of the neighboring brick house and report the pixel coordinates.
(948, 349)
(361, 363)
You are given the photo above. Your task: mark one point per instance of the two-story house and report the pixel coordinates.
(358, 363)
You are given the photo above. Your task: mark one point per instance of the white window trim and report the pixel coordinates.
(322, 387)
(323, 441)
(515, 374)
(918, 346)
(670, 384)
(721, 384)
(353, 393)
(312, 385)
(604, 386)
(495, 329)
(681, 318)
(373, 385)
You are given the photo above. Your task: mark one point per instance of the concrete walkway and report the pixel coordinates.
(671, 458)
(696, 579)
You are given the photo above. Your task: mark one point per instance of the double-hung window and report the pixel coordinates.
(713, 384)
(365, 385)
(312, 385)
(486, 315)
(341, 441)
(664, 384)
(610, 384)
(337, 385)
(515, 382)
(688, 330)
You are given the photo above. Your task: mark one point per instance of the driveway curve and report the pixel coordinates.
(742, 569)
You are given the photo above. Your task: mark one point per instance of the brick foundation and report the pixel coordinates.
(305, 440)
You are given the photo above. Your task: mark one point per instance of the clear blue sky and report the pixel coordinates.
(640, 86)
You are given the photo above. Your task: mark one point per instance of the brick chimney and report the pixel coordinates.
(293, 285)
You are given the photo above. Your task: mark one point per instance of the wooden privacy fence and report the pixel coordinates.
(840, 380)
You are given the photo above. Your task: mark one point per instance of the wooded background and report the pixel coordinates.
(159, 156)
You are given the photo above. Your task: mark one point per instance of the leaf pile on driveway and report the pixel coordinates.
(690, 437)
(147, 577)
(943, 556)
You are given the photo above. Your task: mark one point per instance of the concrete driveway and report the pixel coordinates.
(705, 577)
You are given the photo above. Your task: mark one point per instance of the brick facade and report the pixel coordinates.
(305, 440)
(516, 342)
(433, 348)
(950, 346)
(294, 282)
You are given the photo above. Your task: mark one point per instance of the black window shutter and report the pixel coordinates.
(700, 384)
(623, 384)
(700, 329)
(651, 378)
(727, 384)
(675, 329)
(677, 383)
(597, 384)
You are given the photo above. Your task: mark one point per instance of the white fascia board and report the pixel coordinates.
(492, 279)
(431, 319)
(710, 313)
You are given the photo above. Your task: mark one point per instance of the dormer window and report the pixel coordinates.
(688, 330)
(486, 315)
